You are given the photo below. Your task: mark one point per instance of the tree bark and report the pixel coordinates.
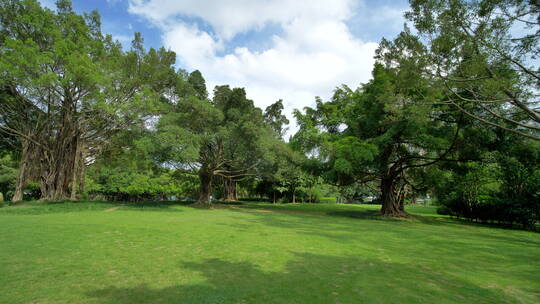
(75, 173)
(82, 177)
(393, 197)
(59, 161)
(78, 170)
(229, 190)
(58, 166)
(205, 179)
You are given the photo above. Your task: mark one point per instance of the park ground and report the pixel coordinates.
(91, 252)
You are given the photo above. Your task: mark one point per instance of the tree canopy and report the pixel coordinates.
(485, 52)
(67, 88)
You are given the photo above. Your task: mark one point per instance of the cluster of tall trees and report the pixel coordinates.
(66, 89)
(452, 110)
(69, 92)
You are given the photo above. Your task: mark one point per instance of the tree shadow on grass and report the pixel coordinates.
(301, 220)
(359, 214)
(478, 251)
(308, 278)
(351, 211)
(369, 214)
(363, 214)
(49, 207)
(167, 206)
(308, 209)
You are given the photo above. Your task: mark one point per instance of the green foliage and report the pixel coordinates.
(85, 59)
(121, 184)
(484, 51)
(198, 84)
(8, 174)
(274, 117)
(291, 177)
(503, 188)
(128, 170)
(328, 200)
(349, 152)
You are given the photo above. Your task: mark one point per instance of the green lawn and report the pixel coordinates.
(258, 253)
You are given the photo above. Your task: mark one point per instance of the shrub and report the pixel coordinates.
(508, 193)
(283, 200)
(328, 200)
(444, 210)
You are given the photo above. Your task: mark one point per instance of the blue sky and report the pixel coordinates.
(277, 49)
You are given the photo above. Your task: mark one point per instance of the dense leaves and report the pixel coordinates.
(486, 54)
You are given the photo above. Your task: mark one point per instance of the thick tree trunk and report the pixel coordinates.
(59, 162)
(22, 174)
(57, 176)
(229, 190)
(206, 187)
(393, 197)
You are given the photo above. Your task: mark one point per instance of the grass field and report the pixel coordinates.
(258, 253)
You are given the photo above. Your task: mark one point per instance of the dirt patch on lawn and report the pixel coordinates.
(113, 209)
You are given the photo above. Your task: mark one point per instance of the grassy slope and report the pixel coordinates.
(77, 253)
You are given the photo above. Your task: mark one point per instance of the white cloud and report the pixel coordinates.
(231, 17)
(125, 40)
(314, 53)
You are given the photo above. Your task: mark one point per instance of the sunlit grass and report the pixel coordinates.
(258, 253)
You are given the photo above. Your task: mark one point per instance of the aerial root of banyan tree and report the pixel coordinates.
(58, 169)
(229, 190)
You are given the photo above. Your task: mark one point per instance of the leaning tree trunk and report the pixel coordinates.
(229, 190)
(205, 179)
(393, 197)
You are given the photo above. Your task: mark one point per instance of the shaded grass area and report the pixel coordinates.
(258, 253)
(37, 207)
